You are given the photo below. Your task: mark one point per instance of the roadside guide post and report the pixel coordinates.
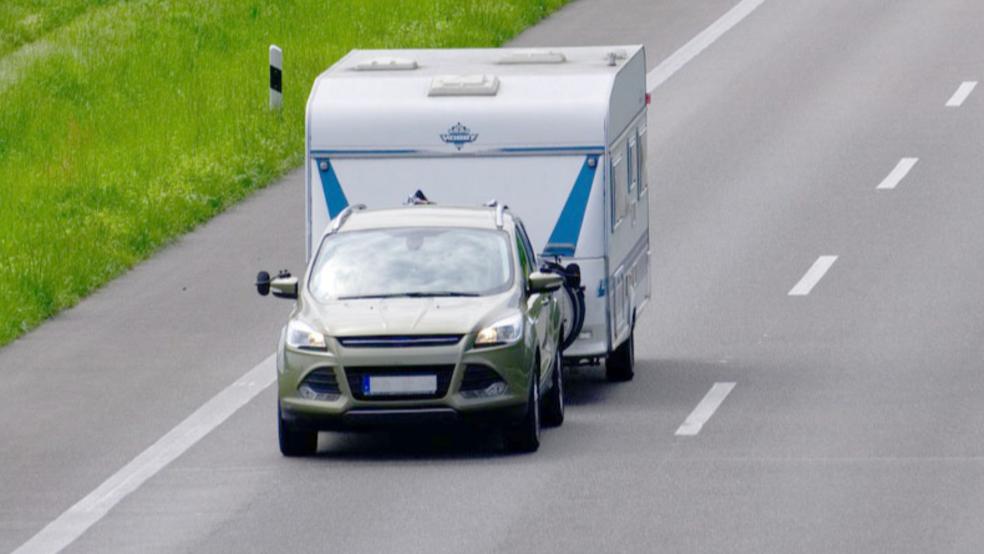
(276, 76)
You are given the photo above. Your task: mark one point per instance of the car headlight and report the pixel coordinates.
(504, 331)
(303, 336)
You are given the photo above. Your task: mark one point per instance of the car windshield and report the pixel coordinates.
(411, 261)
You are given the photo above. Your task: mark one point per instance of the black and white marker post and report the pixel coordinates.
(276, 76)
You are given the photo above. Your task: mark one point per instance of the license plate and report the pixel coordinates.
(395, 385)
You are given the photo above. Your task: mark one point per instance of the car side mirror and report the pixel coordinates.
(545, 282)
(283, 285)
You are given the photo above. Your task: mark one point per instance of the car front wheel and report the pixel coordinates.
(524, 436)
(295, 442)
(553, 401)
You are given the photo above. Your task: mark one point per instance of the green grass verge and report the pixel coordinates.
(126, 123)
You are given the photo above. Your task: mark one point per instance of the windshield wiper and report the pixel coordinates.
(442, 293)
(370, 296)
(409, 295)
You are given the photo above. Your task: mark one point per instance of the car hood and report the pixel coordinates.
(407, 316)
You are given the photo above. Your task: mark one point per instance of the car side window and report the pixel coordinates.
(524, 264)
(525, 249)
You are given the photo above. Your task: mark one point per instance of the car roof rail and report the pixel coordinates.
(337, 223)
(500, 209)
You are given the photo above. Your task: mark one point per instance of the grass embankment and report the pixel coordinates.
(126, 123)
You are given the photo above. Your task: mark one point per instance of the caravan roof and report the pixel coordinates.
(475, 100)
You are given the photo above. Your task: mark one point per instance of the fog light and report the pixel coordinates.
(495, 389)
(308, 393)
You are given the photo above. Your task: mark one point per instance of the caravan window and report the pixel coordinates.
(641, 158)
(619, 191)
(630, 169)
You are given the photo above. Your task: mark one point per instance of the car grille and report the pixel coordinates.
(478, 377)
(354, 376)
(322, 381)
(399, 341)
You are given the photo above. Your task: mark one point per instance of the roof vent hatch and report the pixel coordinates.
(464, 85)
(386, 64)
(533, 57)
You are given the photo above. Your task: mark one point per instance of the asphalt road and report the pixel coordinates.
(855, 423)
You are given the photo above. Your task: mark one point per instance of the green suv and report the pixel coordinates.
(419, 315)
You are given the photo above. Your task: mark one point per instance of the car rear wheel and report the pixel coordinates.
(620, 364)
(553, 401)
(295, 442)
(524, 436)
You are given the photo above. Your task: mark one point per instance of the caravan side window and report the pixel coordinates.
(619, 191)
(641, 158)
(630, 169)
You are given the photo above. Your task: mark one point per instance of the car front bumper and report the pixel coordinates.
(351, 409)
(388, 418)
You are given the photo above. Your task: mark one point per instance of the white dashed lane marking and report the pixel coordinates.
(703, 412)
(813, 276)
(963, 91)
(901, 169)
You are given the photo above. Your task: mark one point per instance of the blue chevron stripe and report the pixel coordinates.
(567, 230)
(334, 196)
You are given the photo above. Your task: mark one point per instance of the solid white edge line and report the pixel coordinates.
(901, 169)
(696, 45)
(812, 276)
(705, 409)
(71, 524)
(963, 91)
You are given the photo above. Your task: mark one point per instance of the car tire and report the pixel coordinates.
(620, 364)
(295, 442)
(524, 435)
(553, 401)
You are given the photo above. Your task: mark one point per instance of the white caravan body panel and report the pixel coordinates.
(562, 144)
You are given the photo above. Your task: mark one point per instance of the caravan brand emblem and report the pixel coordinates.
(459, 136)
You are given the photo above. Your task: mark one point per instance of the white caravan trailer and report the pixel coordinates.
(558, 135)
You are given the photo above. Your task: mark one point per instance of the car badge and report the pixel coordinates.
(459, 136)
